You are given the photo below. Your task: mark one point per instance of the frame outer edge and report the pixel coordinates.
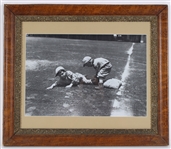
(163, 76)
(87, 9)
(8, 107)
(8, 116)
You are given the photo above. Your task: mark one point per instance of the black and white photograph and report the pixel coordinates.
(86, 75)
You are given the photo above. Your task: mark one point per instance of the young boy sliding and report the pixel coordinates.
(68, 78)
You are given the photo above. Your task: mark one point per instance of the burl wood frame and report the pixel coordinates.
(12, 138)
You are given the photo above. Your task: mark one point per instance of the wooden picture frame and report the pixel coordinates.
(13, 135)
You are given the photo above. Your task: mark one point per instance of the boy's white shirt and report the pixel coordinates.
(99, 62)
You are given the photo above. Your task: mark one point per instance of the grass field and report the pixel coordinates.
(43, 55)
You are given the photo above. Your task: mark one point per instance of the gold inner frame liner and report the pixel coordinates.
(82, 25)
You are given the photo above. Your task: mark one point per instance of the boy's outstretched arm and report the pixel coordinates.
(86, 81)
(52, 86)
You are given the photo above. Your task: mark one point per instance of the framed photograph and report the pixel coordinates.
(85, 75)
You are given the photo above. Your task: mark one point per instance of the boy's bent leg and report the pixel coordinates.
(100, 85)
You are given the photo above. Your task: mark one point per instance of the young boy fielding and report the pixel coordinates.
(68, 78)
(102, 67)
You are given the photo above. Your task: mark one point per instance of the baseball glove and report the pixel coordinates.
(95, 80)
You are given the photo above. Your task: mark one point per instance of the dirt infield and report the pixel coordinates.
(43, 55)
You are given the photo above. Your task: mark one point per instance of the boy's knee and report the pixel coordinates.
(100, 80)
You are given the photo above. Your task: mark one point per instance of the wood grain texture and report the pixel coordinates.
(86, 140)
(86, 9)
(163, 75)
(8, 115)
(11, 138)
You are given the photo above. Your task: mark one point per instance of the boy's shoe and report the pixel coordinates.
(99, 87)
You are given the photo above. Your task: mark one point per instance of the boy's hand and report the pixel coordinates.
(88, 81)
(68, 86)
(52, 86)
(48, 88)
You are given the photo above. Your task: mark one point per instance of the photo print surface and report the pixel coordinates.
(86, 75)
